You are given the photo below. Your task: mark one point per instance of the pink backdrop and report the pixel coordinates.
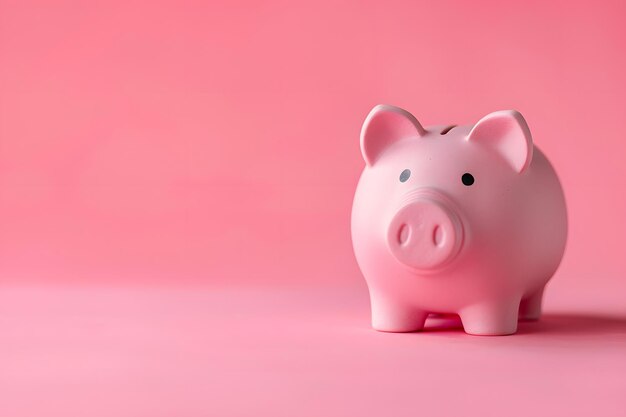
(199, 145)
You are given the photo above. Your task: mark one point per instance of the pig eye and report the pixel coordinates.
(467, 179)
(405, 175)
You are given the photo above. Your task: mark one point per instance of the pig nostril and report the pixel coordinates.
(438, 235)
(404, 234)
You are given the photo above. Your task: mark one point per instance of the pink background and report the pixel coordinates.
(175, 188)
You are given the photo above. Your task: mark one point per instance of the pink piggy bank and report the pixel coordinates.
(469, 220)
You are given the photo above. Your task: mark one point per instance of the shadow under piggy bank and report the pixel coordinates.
(576, 324)
(561, 324)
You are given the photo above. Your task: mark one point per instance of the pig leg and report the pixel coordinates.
(391, 316)
(491, 318)
(530, 307)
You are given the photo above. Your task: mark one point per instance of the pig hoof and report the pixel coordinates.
(490, 330)
(399, 323)
(490, 320)
(397, 328)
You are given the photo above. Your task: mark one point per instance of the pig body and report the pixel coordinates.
(468, 220)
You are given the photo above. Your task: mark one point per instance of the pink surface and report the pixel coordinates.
(286, 352)
(194, 145)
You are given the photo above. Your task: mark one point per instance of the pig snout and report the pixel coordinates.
(425, 233)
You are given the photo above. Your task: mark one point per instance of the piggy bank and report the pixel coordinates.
(467, 220)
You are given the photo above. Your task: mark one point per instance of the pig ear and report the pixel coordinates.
(508, 133)
(384, 126)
